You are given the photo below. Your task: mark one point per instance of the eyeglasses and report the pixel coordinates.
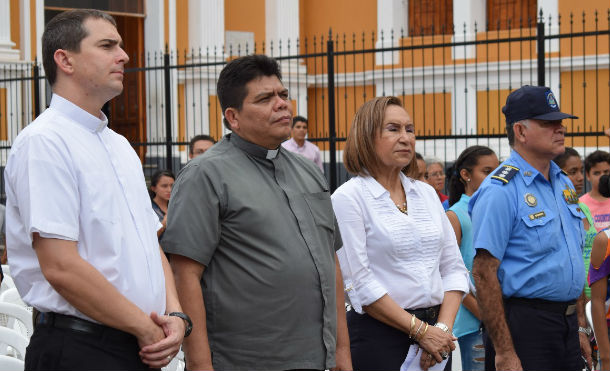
(437, 174)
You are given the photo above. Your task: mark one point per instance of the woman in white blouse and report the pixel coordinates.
(402, 268)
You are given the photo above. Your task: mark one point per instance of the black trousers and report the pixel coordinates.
(543, 340)
(54, 348)
(377, 346)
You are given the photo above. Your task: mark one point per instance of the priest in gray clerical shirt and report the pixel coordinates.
(253, 237)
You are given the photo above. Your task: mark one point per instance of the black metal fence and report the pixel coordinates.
(452, 84)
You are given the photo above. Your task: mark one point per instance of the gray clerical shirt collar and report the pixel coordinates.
(253, 149)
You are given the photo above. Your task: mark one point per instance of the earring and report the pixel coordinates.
(468, 180)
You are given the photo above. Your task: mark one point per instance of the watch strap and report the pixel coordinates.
(187, 322)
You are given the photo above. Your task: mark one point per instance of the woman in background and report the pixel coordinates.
(470, 169)
(161, 184)
(435, 176)
(401, 265)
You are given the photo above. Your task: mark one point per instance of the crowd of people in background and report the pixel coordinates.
(265, 269)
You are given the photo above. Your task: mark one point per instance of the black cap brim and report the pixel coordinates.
(553, 116)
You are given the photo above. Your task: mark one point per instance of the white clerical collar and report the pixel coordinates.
(79, 115)
(254, 149)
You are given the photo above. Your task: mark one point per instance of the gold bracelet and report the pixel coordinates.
(421, 324)
(413, 318)
(423, 333)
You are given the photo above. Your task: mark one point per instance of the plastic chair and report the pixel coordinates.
(11, 364)
(16, 312)
(12, 296)
(7, 283)
(15, 340)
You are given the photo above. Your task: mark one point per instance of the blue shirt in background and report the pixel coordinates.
(465, 322)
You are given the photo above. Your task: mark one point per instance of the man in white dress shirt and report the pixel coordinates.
(80, 228)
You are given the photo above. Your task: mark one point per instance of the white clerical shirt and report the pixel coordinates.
(69, 176)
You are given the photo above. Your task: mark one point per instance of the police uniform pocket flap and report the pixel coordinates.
(576, 211)
(536, 218)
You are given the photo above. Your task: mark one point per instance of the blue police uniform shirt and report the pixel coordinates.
(534, 228)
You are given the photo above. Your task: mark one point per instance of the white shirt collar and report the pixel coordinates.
(79, 115)
(377, 190)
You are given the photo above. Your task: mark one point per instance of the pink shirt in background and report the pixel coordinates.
(600, 211)
(308, 150)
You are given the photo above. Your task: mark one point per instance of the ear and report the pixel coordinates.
(519, 131)
(231, 114)
(464, 175)
(63, 61)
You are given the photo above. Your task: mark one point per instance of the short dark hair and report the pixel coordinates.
(296, 119)
(595, 158)
(66, 31)
(231, 85)
(561, 159)
(197, 138)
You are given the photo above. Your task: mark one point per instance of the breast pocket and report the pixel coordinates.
(539, 226)
(321, 209)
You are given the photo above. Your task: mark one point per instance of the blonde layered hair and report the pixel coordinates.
(359, 156)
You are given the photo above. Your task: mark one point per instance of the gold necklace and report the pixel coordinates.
(403, 209)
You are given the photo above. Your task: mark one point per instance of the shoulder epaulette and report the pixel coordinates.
(505, 173)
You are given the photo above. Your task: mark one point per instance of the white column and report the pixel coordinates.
(7, 53)
(282, 26)
(550, 13)
(392, 18)
(206, 30)
(467, 14)
(24, 26)
(154, 47)
(206, 24)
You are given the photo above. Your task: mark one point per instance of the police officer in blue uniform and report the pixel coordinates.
(528, 236)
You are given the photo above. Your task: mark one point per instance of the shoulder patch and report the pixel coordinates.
(505, 173)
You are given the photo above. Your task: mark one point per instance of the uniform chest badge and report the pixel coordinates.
(569, 194)
(530, 199)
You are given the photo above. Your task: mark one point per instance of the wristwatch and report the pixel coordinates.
(442, 326)
(585, 330)
(187, 322)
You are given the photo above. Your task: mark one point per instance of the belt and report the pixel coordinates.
(62, 321)
(566, 308)
(429, 314)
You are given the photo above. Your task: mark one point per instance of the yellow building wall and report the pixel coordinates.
(15, 31)
(572, 15)
(490, 119)
(33, 40)
(247, 16)
(430, 112)
(182, 28)
(587, 97)
(215, 117)
(3, 116)
(345, 17)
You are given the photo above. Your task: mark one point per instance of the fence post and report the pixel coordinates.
(168, 111)
(36, 78)
(332, 136)
(540, 41)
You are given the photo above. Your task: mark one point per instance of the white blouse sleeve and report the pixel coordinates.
(360, 283)
(453, 271)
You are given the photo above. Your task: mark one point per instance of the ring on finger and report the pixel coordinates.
(444, 355)
(429, 356)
